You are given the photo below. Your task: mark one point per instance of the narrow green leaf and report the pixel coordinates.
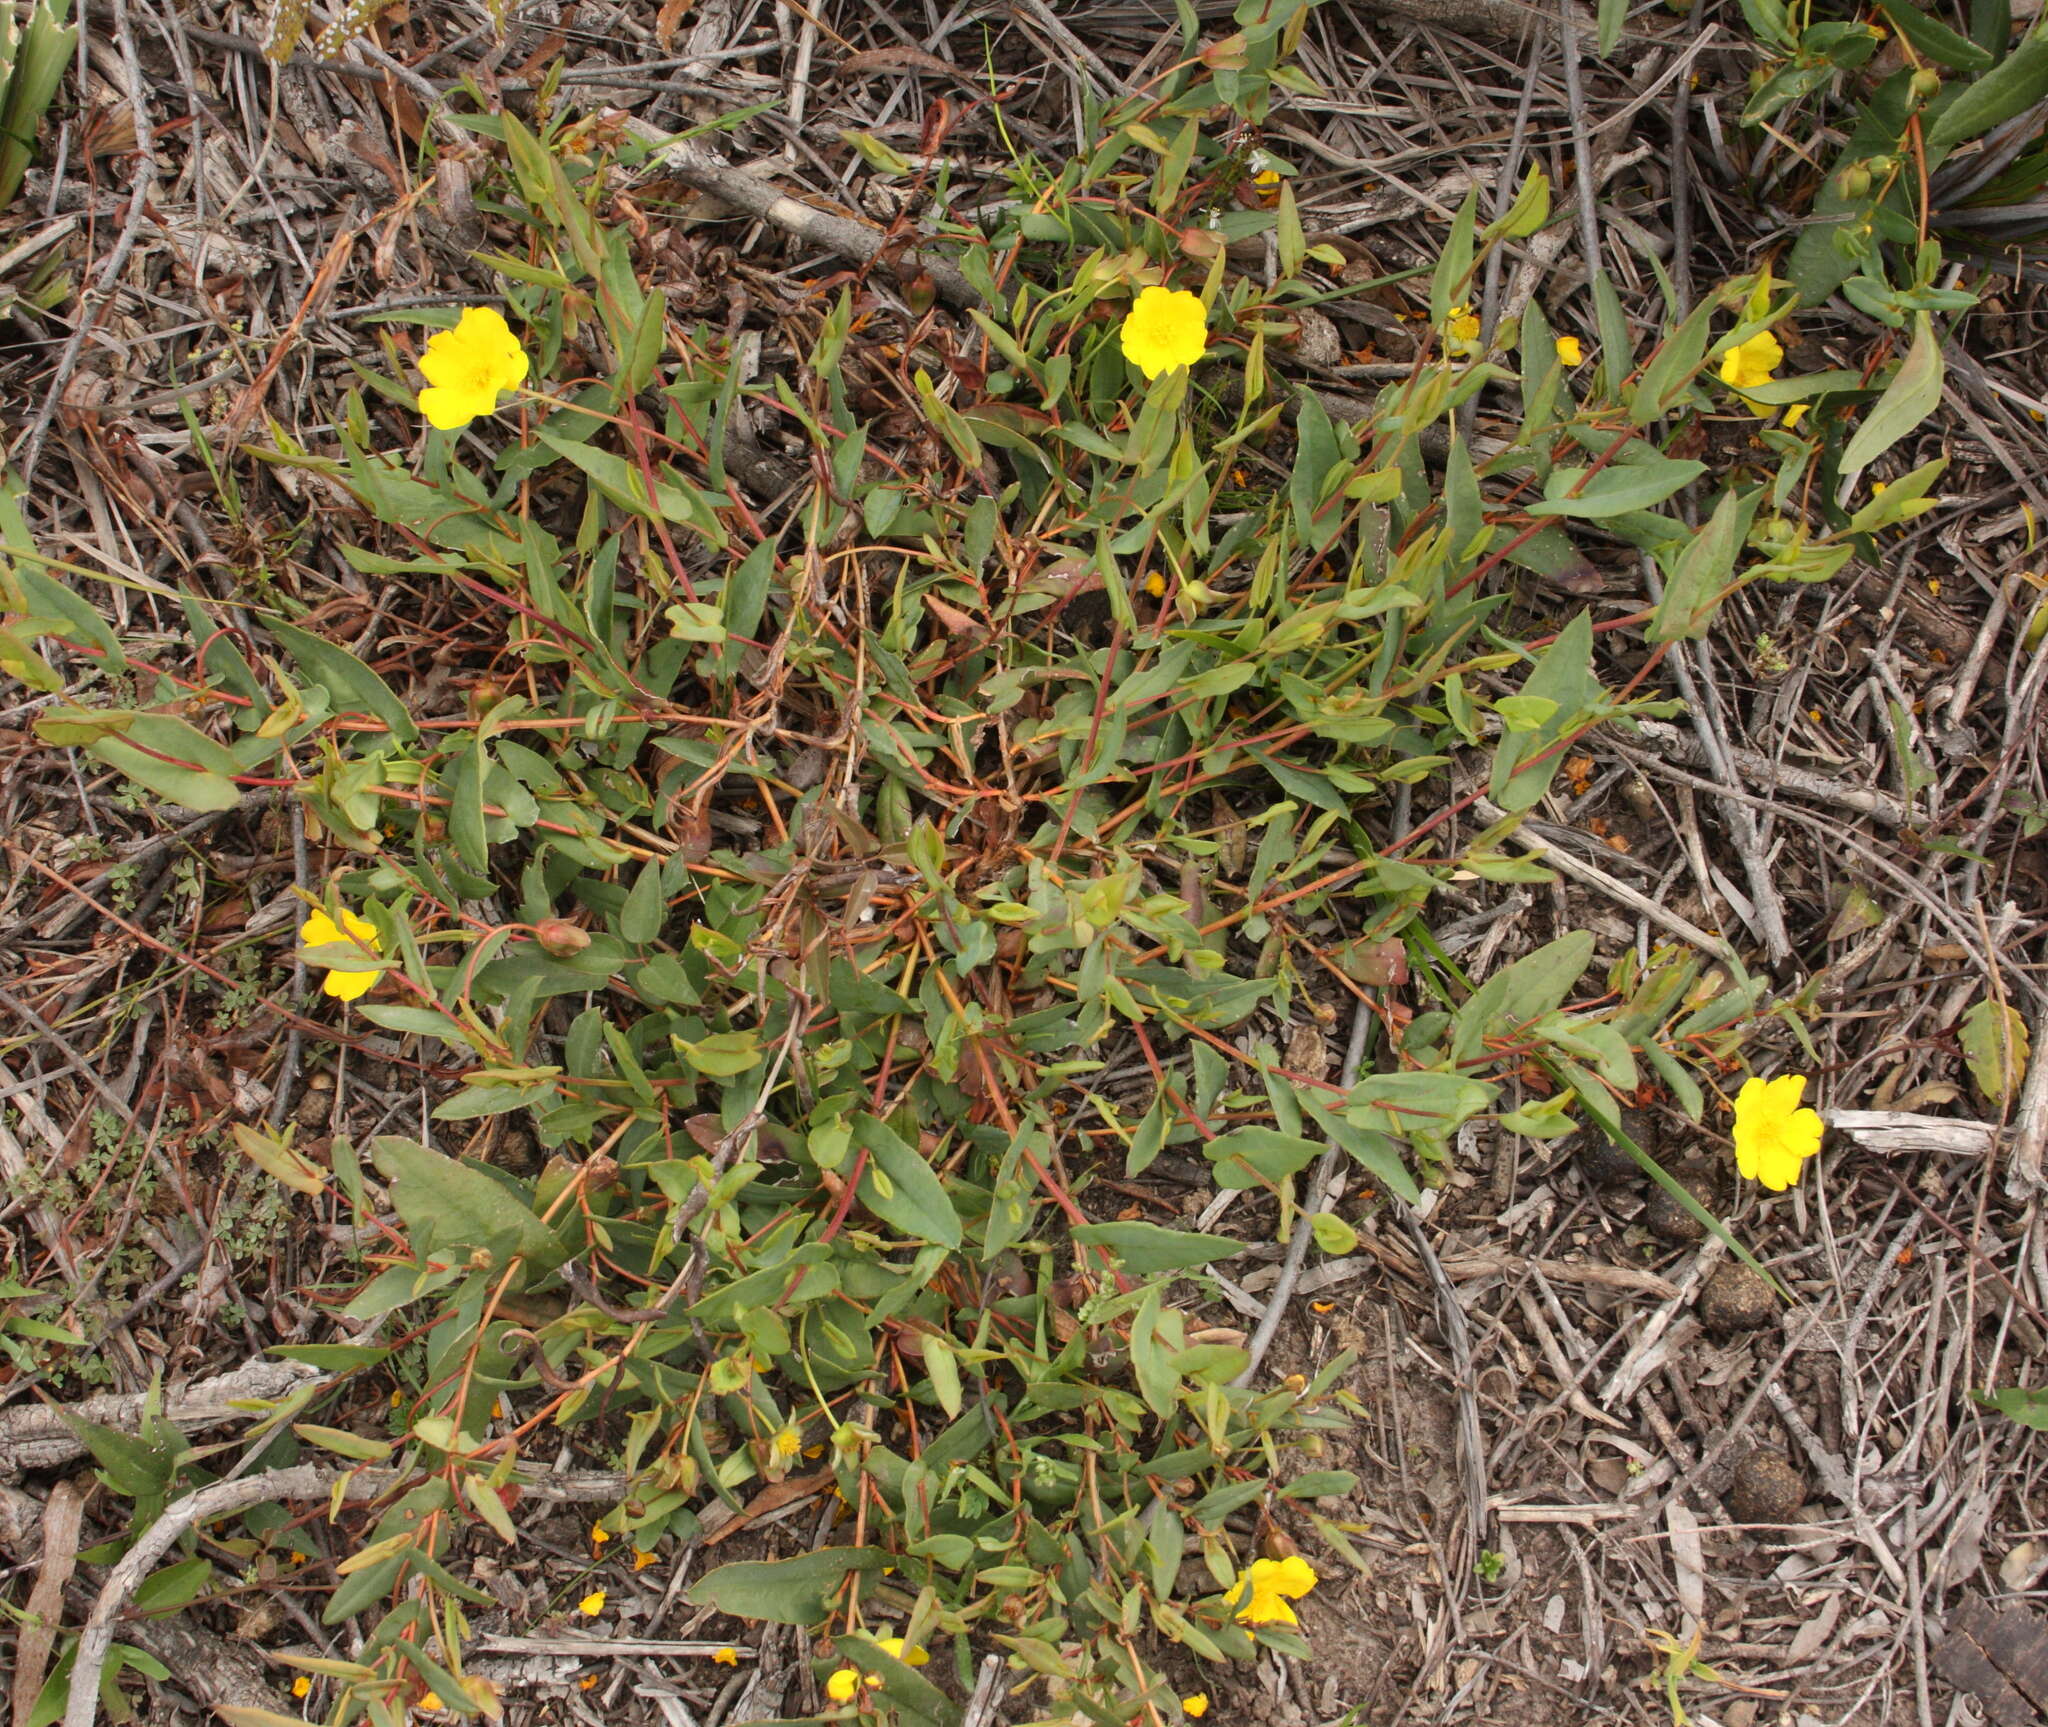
(797, 1591)
(1912, 395)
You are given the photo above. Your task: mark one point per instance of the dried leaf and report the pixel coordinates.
(1994, 1040)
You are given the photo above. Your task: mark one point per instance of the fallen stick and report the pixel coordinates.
(40, 1436)
(303, 1481)
(744, 190)
(1896, 1133)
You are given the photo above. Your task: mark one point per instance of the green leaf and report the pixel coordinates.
(342, 1443)
(1609, 18)
(174, 1586)
(2009, 88)
(176, 761)
(1333, 1235)
(623, 482)
(881, 157)
(1399, 1103)
(942, 1366)
(646, 907)
(1994, 1041)
(446, 1204)
(1913, 394)
(134, 1467)
(1145, 1249)
(279, 1160)
(724, 1054)
(797, 1591)
(351, 683)
(1674, 366)
(1450, 280)
(1934, 38)
(1376, 1153)
(1258, 1156)
(1616, 489)
(40, 53)
(915, 1202)
(2027, 1406)
(1524, 763)
(1699, 575)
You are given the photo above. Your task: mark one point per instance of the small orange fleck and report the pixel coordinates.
(301, 1685)
(586, 1682)
(1323, 1306)
(599, 1535)
(727, 1657)
(643, 1559)
(592, 1604)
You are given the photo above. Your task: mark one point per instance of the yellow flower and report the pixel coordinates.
(432, 1703)
(894, 1646)
(642, 1560)
(592, 1604)
(599, 1535)
(467, 366)
(301, 1685)
(727, 1657)
(345, 980)
(1266, 1589)
(1464, 330)
(788, 1443)
(1752, 362)
(1793, 415)
(1166, 329)
(1570, 351)
(1773, 1135)
(1155, 585)
(1196, 1706)
(842, 1685)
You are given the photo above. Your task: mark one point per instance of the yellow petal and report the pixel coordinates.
(842, 1685)
(592, 1604)
(1293, 1576)
(1196, 1706)
(449, 410)
(1570, 351)
(346, 984)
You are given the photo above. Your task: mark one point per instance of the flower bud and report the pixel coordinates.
(1227, 54)
(559, 938)
(1853, 181)
(1276, 1543)
(1925, 85)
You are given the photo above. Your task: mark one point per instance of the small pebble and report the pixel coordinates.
(1670, 1221)
(1766, 1489)
(1736, 1299)
(1606, 1164)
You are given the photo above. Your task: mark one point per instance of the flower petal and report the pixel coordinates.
(346, 984)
